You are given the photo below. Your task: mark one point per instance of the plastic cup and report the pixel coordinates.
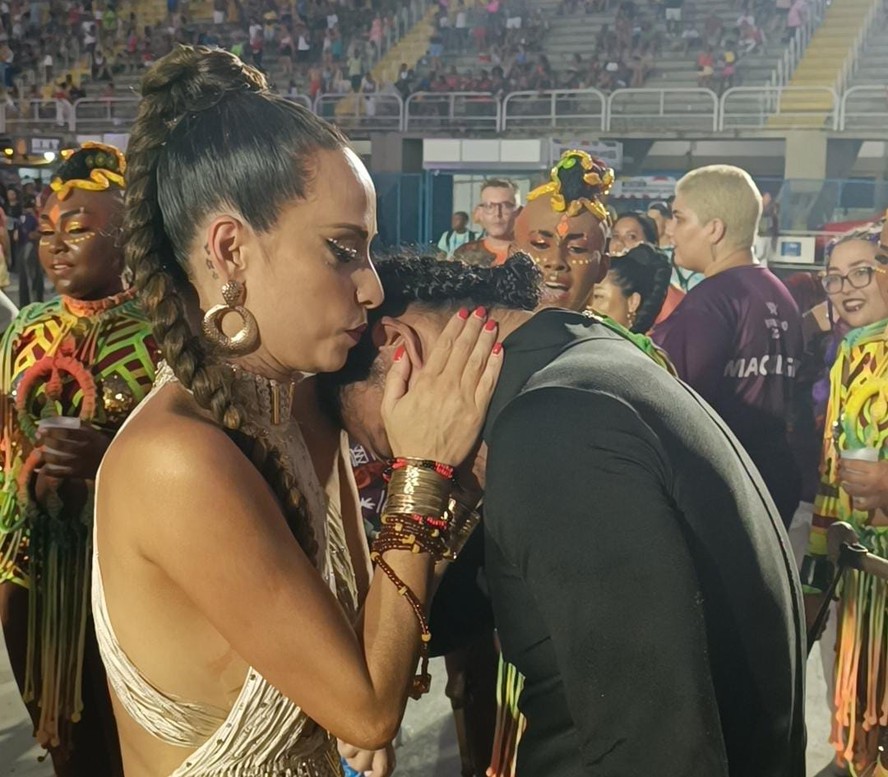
(59, 422)
(861, 454)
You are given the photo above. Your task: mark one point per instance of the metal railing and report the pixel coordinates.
(798, 44)
(630, 109)
(625, 110)
(301, 99)
(849, 66)
(358, 113)
(779, 107)
(27, 114)
(96, 114)
(431, 111)
(864, 107)
(558, 109)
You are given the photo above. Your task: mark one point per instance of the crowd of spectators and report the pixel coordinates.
(69, 49)
(507, 40)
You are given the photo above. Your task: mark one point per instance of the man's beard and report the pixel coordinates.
(362, 366)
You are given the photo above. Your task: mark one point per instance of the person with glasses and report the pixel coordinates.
(736, 338)
(854, 489)
(496, 213)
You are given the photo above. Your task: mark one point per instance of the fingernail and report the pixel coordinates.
(480, 312)
(399, 353)
(463, 313)
(490, 326)
(498, 348)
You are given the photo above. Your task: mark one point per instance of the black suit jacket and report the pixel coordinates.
(640, 575)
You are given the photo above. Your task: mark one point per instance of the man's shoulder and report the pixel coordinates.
(552, 413)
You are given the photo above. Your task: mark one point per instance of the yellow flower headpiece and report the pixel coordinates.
(597, 176)
(106, 166)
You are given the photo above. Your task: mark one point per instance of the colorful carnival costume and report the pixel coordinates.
(91, 360)
(857, 417)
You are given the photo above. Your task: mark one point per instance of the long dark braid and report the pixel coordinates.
(160, 279)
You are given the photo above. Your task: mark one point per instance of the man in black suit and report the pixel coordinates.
(640, 576)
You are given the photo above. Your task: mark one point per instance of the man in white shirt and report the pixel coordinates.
(459, 234)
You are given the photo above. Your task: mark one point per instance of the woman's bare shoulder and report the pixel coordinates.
(170, 439)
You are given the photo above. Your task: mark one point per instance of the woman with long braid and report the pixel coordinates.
(227, 532)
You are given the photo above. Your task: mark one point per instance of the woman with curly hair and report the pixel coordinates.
(229, 564)
(71, 371)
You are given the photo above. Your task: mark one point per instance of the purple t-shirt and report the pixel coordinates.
(736, 339)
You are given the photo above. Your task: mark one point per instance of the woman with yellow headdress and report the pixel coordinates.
(71, 370)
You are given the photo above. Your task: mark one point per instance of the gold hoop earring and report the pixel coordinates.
(247, 336)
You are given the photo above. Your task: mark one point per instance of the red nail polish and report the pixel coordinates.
(490, 326)
(498, 348)
(399, 353)
(463, 314)
(481, 312)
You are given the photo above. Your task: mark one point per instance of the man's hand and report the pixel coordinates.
(73, 453)
(866, 482)
(373, 763)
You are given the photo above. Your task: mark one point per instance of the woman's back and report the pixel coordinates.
(179, 685)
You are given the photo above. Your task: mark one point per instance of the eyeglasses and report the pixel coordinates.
(502, 207)
(858, 278)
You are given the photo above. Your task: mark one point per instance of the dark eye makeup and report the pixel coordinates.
(341, 252)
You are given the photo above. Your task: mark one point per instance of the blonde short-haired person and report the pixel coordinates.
(736, 337)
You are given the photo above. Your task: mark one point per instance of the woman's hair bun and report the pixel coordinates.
(192, 79)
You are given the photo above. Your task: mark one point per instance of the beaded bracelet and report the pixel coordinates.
(422, 682)
(417, 538)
